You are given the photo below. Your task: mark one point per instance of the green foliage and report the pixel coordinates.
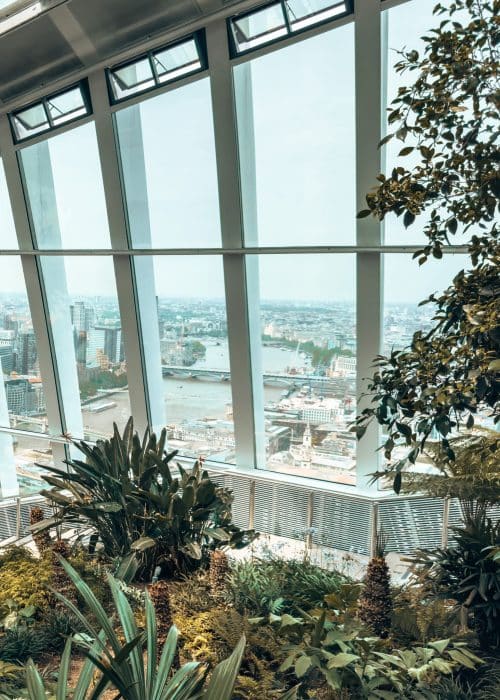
(23, 579)
(467, 573)
(103, 379)
(10, 680)
(346, 660)
(278, 585)
(418, 616)
(467, 469)
(449, 115)
(126, 492)
(21, 643)
(132, 667)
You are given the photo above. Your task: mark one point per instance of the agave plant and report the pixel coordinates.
(126, 493)
(131, 667)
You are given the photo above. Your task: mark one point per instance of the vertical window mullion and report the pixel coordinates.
(240, 275)
(139, 331)
(52, 386)
(369, 265)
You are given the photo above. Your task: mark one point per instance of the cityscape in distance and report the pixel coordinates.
(309, 378)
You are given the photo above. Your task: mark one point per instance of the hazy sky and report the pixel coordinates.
(303, 114)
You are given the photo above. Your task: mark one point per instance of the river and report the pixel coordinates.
(196, 398)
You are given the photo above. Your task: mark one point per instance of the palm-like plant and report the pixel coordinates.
(131, 667)
(126, 493)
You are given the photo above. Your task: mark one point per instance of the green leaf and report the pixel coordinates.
(224, 675)
(440, 645)
(302, 665)
(408, 219)
(343, 659)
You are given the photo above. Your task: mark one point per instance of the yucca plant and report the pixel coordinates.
(126, 493)
(131, 667)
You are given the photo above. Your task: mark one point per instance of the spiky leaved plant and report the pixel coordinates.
(42, 540)
(375, 602)
(218, 573)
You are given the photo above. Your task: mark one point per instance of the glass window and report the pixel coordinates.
(51, 112)
(309, 364)
(158, 67)
(8, 237)
(406, 284)
(89, 348)
(67, 106)
(266, 24)
(22, 400)
(403, 27)
(259, 27)
(169, 169)
(176, 61)
(297, 142)
(65, 192)
(195, 356)
(304, 13)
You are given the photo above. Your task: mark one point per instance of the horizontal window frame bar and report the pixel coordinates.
(254, 250)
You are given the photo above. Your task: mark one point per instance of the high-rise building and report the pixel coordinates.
(82, 316)
(26, 362)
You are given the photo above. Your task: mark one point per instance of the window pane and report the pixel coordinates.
(30, 456)
(194, 355)
(297, 143)
(309, 364)
(67, 106)
(169, 170)
(31, 121)
(8, 238)
(403, 27)
(22, 401)
(176, 61)
(259, 28)
(406, 283)
(133, 78)
(304, 13)
(65, 192)
(86, 325)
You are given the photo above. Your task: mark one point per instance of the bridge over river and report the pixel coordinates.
(217, 375)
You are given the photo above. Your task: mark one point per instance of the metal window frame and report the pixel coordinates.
(290, 32)
(200, 42)
(369, 248)
(81, 85)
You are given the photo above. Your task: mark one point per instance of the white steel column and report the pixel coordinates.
(369, 285)
(134, 279)
(240, 274)
(57, 423)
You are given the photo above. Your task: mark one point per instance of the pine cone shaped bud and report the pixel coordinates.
(375, 603)
(42, 540)
(218, 574)
(160, 597)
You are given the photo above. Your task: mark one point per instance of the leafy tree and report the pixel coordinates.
(449, 118)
